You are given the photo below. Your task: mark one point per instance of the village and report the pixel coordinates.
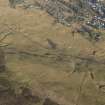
(67, 13)
(97, 21)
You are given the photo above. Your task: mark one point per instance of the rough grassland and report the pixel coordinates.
(41, 74)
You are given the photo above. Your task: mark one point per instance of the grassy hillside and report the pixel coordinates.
(47, 71)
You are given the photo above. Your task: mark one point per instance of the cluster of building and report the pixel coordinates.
(61, 10)
(97, 21)
(64, 12)
(58, 9)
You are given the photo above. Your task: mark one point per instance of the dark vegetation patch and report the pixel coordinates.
(9, 96)
(48, 101)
